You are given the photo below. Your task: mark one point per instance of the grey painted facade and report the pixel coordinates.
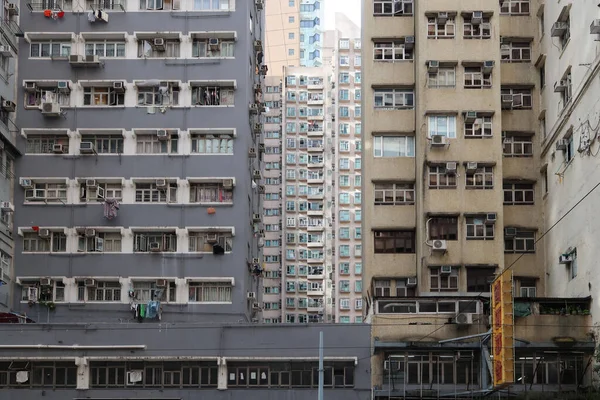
(177, 266)
(223, 347)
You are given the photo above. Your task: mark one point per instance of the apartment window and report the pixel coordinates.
(481, 30)
(442, 280)
(394, 194)
(106, 49)
(102, 96)
(516, 52)
(55, 292)
(344, 44)
(394, 99)
(46, 93)
(514, 7)
(475, 78)
(209, 143)
(147, 49)
(344, 304)
(160, 5)
(154, 241)
(393, 146)
(481, 127)
(148, 291)
(44, 144)
(444, 77)
(205, 242)
(479, 279)
(357, 95)
(100, 291)
(382, 287)
(151, 193)
(395, 8)
(47, 192)
(210, 292)
(477, 228)
(212, 96)
(527, 287)
(440, 178)
(480, 178)
(443, 228)
(569, 151)
(357, 77)
(101, 242)
(344, 61)
(164, 95)
(394, 242)
(567, 89)
(542, 72)
(202, 48)
(50, 49)
(392, 51)
(518, 193)
(56, 242)
(521, 98)
(105, 144)
(517, 146)
(152, 144)
(443, 125)
(210, 193)
(211, 5)
(519, 240)
(344, 77)
(440, 30)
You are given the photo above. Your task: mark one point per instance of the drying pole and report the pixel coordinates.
(321, 370)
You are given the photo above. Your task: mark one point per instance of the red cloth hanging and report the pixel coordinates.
(60, 14)
(35, 228)
(47, 13)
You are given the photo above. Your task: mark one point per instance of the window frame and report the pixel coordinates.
(481, 178)
(398, 190)
(476, 228)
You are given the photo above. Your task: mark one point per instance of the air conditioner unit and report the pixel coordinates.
(595, 27)
(560, 86)
(258, 128)
(488, 66)
(9, 106)
(433, 66)
(438, 141)
(451, 167)
(490, 218)
(442, 17)
(565, 258)
(261, 189)
(45, 281)
(44, 233)
(162, 283)
(440, 245)
(134, 376)
(510, 232)
(12, 9)
(259, 4)
(90, 183)
(477, 17)
(445, 270)
(162, 134)
(258, 45)
(409, 42)
(75, 59)
(118, 86)
(63, 86)
(7, 206)
(261, 148)
(227, 183)
(90, 232)
(252, 152)
(256, 174)
(256, 306)
(470, 117)
(254, 107)
(32, 295)
(263, 70)
(562, 144)
(471, 166)
(256, 260)
(558, 29)
(213, 42)
(30, 87)
(89, 282)
(159, 44)
(258, 88)
(464, 319)
(211, 238)
(411, 282)
(507, 100)
(87, 148)
(26, 183)
(57, 149)
(251, 295)
(92, 59)
(51, 109)
(5, 51)
(504, 50)
(154, 246)
(161, 183)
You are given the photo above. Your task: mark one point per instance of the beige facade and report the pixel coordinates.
(452, 194)
(282, 38)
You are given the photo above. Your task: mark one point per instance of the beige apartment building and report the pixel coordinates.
(282, 35)
(452, 196)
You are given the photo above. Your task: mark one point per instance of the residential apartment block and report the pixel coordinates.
(453, 197)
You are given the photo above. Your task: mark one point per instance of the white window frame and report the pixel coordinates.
(517, 52)
(445, 77)
(211, 143)
(210, 193)
(481, 128)
(477, 229)
(518, 192)
(48, 192)
(142, 241)
(399, 193)
(393, 8)
(151, 144)
(197, 241)
(475, 78)
(393, 99)
(478, 178)
(506, 7)
(518, 146)
(55, 49)
(212, 96)
(476, 31)
(525, 96)
(392, 51)
(434, 123)
(102, 96)
(446, 30)
(403, 144)
(106, 48)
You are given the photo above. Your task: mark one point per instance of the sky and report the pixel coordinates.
(349, 7)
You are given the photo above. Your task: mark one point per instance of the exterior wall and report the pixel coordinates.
(570, 180)
(282, 34)
(221, 346)
(130, 168)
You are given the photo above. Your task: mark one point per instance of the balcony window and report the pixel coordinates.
(106, 49)
(443, 228)
(523, 241)
(50, 49)
(394, 194)
(105, 144)
(475, 78)
(166, 94)
(102, 96)
(395, 8)
(440, 30)
(47, 192)
(34, 243)
(152, 144)
(393, 146)
(394, 99)
(517, 146)
(148, 49)
(515, 7)
(205, 242)
(100, 292)
(382, 287)
(445, 77)
(144, 242)
(202, 48)
(443, 125)
(101, 242)
(151, 193)
(394, 242)
(212, 96)
(210, 193)
(480, 178)
(44, 144)
(443, 281)
(440, 178)
(518, 193)
(478, 229)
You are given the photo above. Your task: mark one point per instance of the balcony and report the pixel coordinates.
(315, 260)
(314, 307)
(316, 275)
(316, 213)
(315, 244)
(315, 84)
(316, 164)
(315, 228)
(316, 180)
(316, 196)
(315, 149)
(316, 291)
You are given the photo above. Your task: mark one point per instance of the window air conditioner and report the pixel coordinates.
(9, 106)
(442, 17)
(159, 44)
(211, 238)
(161, 183)
(118, 86)
(252, 152)
(154, 246)
(256, 260)
(259, 4)
(445, 270)
(30, 86)
(254, 108)
(75, 59)
(162, 283)
(57, 149)
(433, 66)
(213, 42)
(26, 183)
(451, 167)
(50, 109)
(471, 166)
(510, 232)
(63, 86)
(87, 148)
(32, 295)
(7, 206)
(90, 232)
(560, 86)
(261, 189)
(92, 59)
(595, 27)
(411, 282)
(162, 134)
(5, 51)
(561, 144)
(464, 319)
(256, 306)
(12, 9)
(438, 141)
(258, 45)
(45, 281)
(134, 376)
(470, 117)
(490, 218)
(256, 217)
(476, 17)
(251, 295)
(558, 29)
(227, 183)
(565, 258)
(440, 245)
(89, 282)
(409, 42)
(504, 50)
(90, 183)
(256, 174)
(507, 100)
(488, 66)
(44, 233)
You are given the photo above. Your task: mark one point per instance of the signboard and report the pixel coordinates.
(503, 349)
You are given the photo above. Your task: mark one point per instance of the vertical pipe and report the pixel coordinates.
(321, 370)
